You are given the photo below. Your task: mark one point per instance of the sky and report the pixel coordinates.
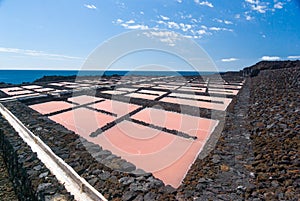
(62, 34)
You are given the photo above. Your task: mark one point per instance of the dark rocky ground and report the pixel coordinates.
(30, 178)
(275, 132)
(6, 187)
(255, 158)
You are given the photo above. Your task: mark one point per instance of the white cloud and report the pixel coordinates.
(218, 20)
(252, 1)
(179, 1)
(264, 6)
(237, 16)
(293, 57)
(168, 37)
(164, 17)
(215, 28)
(270, 58)
(201, 32)
(256, 5)
(134, 27)
(219, 29)
(223, 21)
(194, 20)
(204, 3)
(203, 27)
(227, 22)
(278, 5)
(248, 17)
(161, 22)
(119, 21)
(130, 22)
(185, 27)
(90, 6)
(142, 13)
(259, 8)
(36, 53)
(172, 25)
(229, 59)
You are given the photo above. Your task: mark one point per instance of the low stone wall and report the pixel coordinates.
(31, 178)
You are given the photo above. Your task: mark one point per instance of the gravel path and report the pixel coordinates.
(6, 187)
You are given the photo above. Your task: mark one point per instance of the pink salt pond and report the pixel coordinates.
(57, 84)
(50, 107)
(152, 92)
(194, 100)
(44, 89)
(11, 89)
(192, 89)
(114, 92)
(196, 103)
(26, 95)
(126, 89)
(84, 99)
(72, 86)
(170, 87)
(115, 107)
(223, 91)
(167, 156)
(31, 87)
(16, 93)
(191, 125)
(226, 86)
(82, 121)
(142, 96)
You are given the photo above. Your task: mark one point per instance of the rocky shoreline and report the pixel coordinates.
(255, 158)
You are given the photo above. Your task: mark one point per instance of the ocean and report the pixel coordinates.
(25, 76)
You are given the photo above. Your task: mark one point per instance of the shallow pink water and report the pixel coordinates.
(226, 86)
(84, 99)
(82, 121)
(165, 87)
(125, 89)
(192, 89)
(191, 125)
(143, 96)
(10, 89)
(167, 156)
(72, 86)
(223, 91)
(196, 103)
(44, 89)
(116, 107)
(26, 95)
(57, 84)
(114, 92)
(16, 93)
(52, 106)
(158, 93)
(31, 87)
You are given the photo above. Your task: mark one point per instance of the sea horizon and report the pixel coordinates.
(18, 76)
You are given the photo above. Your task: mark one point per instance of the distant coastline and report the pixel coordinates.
(25, 76)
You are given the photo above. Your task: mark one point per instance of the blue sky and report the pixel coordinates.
(61, 34)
